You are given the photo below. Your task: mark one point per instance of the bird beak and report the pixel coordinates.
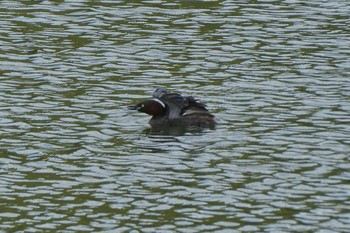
(134, 107)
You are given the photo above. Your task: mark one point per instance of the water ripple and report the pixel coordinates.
(75, 159)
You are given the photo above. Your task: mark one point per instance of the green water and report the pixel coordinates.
(75, 159)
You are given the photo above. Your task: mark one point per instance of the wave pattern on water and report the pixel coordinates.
(73, 158)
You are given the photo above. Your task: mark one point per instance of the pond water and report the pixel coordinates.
(75, 159)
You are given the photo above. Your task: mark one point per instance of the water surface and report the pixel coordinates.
(74, 159)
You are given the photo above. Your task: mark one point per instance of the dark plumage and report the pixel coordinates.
(174, 109)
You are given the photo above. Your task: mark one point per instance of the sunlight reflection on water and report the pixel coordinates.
(274, 74)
